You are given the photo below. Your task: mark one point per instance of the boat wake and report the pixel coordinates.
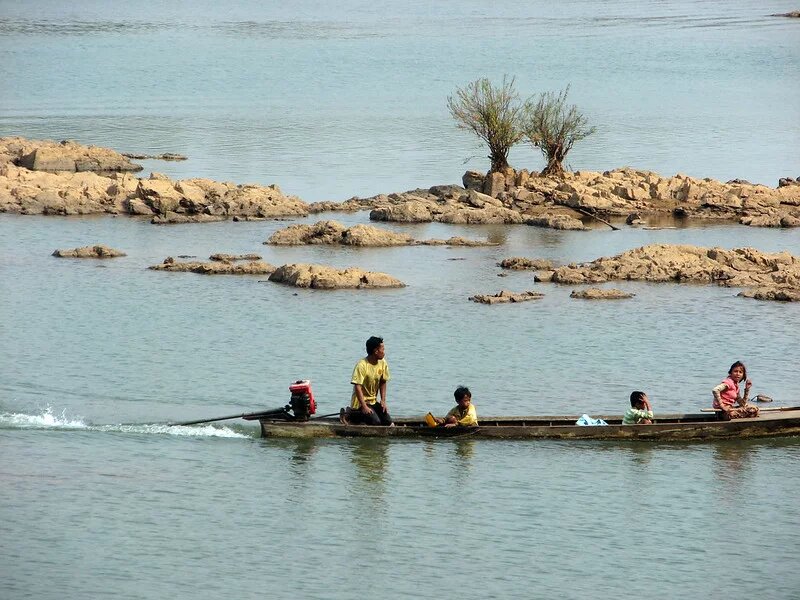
(61, 422)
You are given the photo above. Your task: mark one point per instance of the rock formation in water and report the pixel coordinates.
(78, 191)
(65, 156)
(741, 267)
(601, 294)
(506, 296)
(96, 251)
(329, 278)
(519, 263)
(216, 267)
(512, 197)
(626, 195)
(333, 233)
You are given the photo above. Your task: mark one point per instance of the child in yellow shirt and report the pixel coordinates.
(463, 414)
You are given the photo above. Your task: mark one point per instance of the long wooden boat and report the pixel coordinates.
(773, 422)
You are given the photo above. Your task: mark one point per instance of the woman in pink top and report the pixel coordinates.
(727, 393)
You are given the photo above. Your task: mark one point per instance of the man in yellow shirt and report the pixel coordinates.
(369, 379)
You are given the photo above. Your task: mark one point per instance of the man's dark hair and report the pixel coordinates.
(373, 343)
(461, 391)
(636, 398)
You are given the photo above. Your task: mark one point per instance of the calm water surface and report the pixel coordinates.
(98, 498)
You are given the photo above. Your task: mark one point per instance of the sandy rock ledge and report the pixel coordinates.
(335, 234)
(96, 251)
(600, 294)
(329, 278)
(506, 296)
(776, 276)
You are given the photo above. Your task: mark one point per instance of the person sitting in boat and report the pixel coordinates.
(640, 412)
(727, 393)
(463, 414)
(369, 379)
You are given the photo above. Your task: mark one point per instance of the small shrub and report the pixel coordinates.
(553, 126)
(492, 113)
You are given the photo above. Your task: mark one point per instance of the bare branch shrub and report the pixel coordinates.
(492, 113)
(554, 126)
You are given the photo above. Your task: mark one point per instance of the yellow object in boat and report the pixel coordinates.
(430, 420)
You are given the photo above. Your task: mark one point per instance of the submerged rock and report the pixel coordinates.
(215, 267)
(505, 296)
(600, 294)
(519, 263)
(233, 257)
(334, 233)
(774, 293)
(96, 251)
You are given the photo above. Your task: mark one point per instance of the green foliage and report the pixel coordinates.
(492, 113)
(554, 126)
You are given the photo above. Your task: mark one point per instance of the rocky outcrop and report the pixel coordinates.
(216, 267)
(772, 293)
(557, 221)
(740, 267)
(795, 14)
(162, 199)
(164, 156)
(47, 155)
(96, 251)
(329, 278)
(455, 241)
(519, 263)
(441, 204)
(566, 202)
(505, 296)
(600, 294)
(333, 233)
(233, 257)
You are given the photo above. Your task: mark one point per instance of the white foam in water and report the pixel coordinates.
(47, 420)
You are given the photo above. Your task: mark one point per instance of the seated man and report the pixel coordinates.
(369, 379)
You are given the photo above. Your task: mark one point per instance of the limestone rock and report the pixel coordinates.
(773, 293)
(324, 277)
(519, 263)
(411, 212)
(473, 180)
(740, 267)
(557, 221)
(505, 296)
(233, 257)
(250, 267)
(334, 233)
(47, 155)
(96, 251)
(600, 294)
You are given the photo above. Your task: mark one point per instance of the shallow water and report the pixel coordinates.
(99, 497)
(331, 102)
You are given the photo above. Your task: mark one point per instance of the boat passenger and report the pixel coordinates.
(369, 379)
(727, 392)
(463, 414)
(640, 412)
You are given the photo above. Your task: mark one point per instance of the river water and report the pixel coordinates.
(98, 498)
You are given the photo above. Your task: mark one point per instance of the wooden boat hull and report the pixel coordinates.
(684, 427)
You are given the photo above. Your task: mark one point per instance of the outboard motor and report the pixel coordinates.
(302, 402)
